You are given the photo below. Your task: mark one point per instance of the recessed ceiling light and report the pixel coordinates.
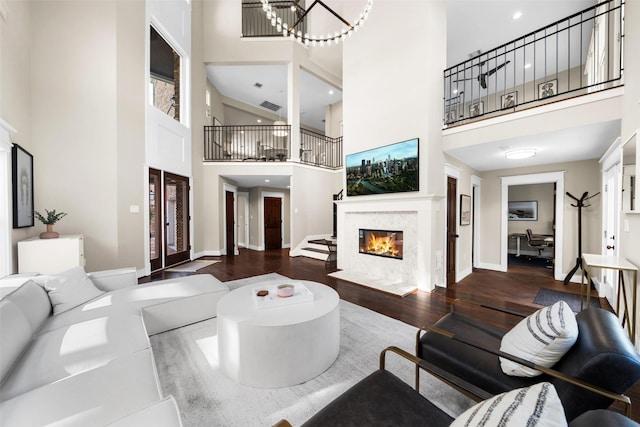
(517, 15)
(522, 153)
(259, 121)
(267, 180)
(331, 92)
(527, 65)
(455, 91)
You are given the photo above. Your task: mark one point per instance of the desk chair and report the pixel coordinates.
(536, 243)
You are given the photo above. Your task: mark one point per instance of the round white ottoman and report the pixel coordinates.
(278, 346)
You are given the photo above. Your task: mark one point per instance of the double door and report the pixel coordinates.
(168, 219)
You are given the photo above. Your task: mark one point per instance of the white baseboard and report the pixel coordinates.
(488, 266)
(462, 274)
(213, 253)
(286, 246)
(256, 248)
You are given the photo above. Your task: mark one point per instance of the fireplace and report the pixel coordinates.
(385, 243)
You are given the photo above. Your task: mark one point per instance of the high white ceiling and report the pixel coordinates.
(472, 25)
(250, 181)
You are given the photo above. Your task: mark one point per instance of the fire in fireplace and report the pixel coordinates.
(384, 243)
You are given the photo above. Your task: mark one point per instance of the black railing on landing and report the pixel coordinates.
(577, 55)
(319, 150)
(247, 143)
(256, 24)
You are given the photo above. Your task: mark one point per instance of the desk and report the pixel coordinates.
(548, 238)
(590, 261)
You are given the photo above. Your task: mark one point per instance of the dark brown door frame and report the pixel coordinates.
(185, 254)
(452, 236)
(158, 214)
(272, 222)
(230, 222)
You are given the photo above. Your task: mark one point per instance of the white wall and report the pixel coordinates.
(393, 92)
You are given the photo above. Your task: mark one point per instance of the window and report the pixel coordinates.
(164, 75)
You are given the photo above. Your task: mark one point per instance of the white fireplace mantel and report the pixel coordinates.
(415, 216)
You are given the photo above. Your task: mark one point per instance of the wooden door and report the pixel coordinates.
(230, 221)
(272, 223)
(177, 245)
(451, 230)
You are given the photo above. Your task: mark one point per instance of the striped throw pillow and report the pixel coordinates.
(534, 406)
(542, 338)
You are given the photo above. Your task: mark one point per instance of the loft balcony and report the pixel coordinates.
(255, 23)
(270, 143)
(578, 55)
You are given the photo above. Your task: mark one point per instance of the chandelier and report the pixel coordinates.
(313, 40)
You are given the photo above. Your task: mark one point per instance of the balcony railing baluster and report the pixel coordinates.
(498, 81)
(269, 143)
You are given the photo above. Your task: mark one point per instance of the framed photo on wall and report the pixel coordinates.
(509, 100)
(465, 209)
(476, 109)
(22, 180)
(547, 89)
(523, 211)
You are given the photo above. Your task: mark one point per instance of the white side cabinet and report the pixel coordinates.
(50, 256)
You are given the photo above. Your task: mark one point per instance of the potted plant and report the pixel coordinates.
(51, 218)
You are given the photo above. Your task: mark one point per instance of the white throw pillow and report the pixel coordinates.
(542, 338)
(68, 289)
(537, 405)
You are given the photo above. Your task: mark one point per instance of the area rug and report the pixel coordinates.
(192, 266)
(548, 297)
(187, 362)
(396, 288)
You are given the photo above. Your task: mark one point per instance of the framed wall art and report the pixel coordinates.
(476, 109)
(509, 100)
(523, 211)
(547, 89)
(465, 209)
(22, 179)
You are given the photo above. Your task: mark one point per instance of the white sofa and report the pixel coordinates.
(92, 364)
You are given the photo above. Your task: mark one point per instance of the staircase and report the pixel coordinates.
(316, 248)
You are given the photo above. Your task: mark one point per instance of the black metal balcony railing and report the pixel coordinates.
(246, 143)
(574, 56)
(262, 143)
(255, 23)
(320, 150)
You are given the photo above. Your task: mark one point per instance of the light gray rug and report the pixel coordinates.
(187, 362)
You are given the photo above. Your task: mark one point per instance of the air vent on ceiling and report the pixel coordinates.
(257, 84)
(270, 106)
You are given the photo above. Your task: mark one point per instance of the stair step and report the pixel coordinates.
(320, 251)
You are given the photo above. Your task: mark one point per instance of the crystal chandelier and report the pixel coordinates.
(313, 40)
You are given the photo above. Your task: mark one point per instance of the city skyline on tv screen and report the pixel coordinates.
(388, 169)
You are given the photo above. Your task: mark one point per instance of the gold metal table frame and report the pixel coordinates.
(591, 261)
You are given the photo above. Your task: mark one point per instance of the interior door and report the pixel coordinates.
(452, 236)
(176, 203)
(611, 208)
(155, 219)
(272, 223)
(230, 221)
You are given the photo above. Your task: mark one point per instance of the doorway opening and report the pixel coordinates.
(557, 215)
(177, 218)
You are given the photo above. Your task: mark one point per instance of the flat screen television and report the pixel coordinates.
(389, 169)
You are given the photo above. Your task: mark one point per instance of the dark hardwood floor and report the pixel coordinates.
(514, 290)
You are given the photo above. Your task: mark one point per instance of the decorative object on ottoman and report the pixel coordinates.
(51, 218)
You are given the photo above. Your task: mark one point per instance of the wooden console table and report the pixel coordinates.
(591, 261)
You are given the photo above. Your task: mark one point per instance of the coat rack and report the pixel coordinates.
(579, 204)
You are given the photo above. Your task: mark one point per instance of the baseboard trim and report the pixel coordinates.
(488, 266)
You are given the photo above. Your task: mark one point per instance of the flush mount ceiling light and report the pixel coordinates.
(522, 153)
(313, 40)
